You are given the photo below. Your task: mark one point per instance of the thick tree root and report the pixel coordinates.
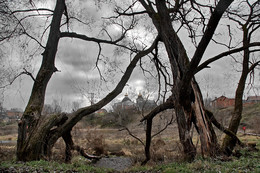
(70, 146)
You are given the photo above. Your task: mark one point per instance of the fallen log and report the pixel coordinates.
(252, 134)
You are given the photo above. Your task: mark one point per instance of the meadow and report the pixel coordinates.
(112, 142)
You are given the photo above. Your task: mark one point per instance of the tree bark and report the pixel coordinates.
(188, 102)
(37, 134)
(228, 142)
(187, 98)
(208, 138)
(30, 139)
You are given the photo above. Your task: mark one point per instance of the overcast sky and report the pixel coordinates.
(78, 76)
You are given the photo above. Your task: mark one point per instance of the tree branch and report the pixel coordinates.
(12, 81)
(222, 128)
(221, 55)
(80, 113)
(211, 27)
(166, 105)
(30, 10)
(131, 134)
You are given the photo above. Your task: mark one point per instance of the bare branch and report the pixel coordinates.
(166, 105)
(252, 67)
(131, 134)
(80, 113)
(221, 55)
(165, 127)
(30, 10)
(15, 77)
(211, 27)
(98, 58)
(86, 38)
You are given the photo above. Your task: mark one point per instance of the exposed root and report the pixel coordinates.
(70, 146)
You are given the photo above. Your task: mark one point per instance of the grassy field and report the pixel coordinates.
(248, 162)
(112, 142)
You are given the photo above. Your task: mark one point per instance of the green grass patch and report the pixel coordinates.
(47, 166)
(248, 162)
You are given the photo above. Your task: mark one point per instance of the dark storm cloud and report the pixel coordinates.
(78, 55)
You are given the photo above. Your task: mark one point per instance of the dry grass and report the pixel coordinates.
(165, 147)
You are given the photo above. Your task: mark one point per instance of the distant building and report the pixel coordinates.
(222, 102)
(141, 104)
(125, 104)
(11, 115)
(253, 99)
(14, 113)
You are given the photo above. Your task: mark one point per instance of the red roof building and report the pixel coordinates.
(223, 102)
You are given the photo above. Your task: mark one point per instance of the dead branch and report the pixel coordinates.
(165, 127)
(221, 55)
(252, 134)
(31, 10)
(222, 128)
(71, 146)
(166, 105)
(15, 77)
(131, 134)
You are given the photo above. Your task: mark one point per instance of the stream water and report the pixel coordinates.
(116, 163)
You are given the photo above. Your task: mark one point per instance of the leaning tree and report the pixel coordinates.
(37, 134)
(249, 24)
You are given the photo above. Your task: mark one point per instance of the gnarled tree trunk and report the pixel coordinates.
(188, 103)
(186, 96)
(37, 134)
(31, 138)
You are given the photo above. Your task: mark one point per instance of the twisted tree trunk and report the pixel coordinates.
(186, 95)
(37, 134)
(31, 138)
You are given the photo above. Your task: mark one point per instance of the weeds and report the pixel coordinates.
(45, 166)
(249, 162)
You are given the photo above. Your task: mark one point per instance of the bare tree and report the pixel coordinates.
(37, 134)
(249, 24)
(168, 18)
(186, 98)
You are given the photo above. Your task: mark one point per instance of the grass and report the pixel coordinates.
(45, 166)
(115, 140)
(248, 162)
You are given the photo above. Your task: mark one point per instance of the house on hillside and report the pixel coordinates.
(253, 99)
(222, 102)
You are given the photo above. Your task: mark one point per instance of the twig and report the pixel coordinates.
(131, 134)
